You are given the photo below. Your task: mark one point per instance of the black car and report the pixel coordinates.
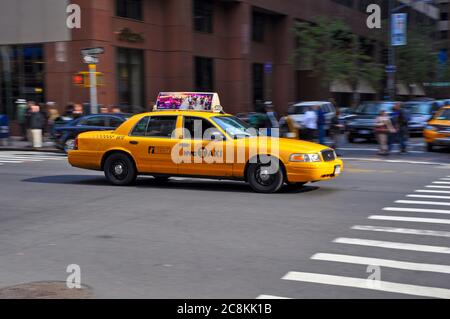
(64, 135)
(362, 125)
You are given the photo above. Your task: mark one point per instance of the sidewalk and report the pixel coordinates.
(15, 143)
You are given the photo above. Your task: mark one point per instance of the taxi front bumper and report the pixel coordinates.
(298, 172)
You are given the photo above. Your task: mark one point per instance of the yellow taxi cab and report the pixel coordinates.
(437, 132)
(189, 135)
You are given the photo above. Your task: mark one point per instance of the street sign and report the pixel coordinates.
(90, 59)
(391, 68)
(399, 29)
(92, 51)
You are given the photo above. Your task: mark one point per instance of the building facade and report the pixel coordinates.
(240, 49)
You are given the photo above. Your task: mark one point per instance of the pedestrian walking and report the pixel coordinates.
(336, 130)
(383, 127)
(21, 110)
(36, 125)
(320, 124)
(400, 121)
(309, 124)
(77, 111)
(272, 123)
(53, 114)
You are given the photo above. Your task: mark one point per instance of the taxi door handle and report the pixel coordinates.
(134, 142)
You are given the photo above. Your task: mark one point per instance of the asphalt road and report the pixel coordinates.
(217, 239)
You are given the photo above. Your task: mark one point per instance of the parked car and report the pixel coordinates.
(64, 135)
(362, 125)
(299, 109)
(420, 113)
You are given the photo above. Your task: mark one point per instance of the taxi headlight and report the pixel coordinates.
(305, 158)
(431, 128)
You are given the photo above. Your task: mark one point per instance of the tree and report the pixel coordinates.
(417, 62)
(334, 53)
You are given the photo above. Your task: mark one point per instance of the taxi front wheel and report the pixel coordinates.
(262, 179)
(119, 169)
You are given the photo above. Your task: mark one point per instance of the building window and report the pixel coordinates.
(131, 9)
(347, 3)
(444, 35)
(258, 81)
(444, 16)
(203, 15)
(21, 75)
(130, 79)
(258, 26)
(204, 74)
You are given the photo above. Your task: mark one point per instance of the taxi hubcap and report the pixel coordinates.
(263, 177)
(118, 169)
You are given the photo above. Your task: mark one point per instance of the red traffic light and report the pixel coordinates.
(78, 79)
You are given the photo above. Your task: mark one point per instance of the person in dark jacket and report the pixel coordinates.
(35, 125)
(321, 125)
(400, 120)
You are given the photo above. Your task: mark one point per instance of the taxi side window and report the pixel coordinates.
(141, 127)
(196, 126)
(161, 126)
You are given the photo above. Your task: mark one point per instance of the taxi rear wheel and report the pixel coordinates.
(119, 169)
(262, 180)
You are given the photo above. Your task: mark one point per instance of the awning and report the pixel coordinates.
(402, 89)
(339, 86)
(417, 90)
(365, 87)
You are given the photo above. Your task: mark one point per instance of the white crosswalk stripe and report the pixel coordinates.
(418, 202)
(270, 297)
(417, 210)
(437, 186)
(382, 262)
(428, 196)
(436, 194)
(408, 231)
(392, 245)
(431, 191)
(19, 158)
(368, 284)
(411, 219)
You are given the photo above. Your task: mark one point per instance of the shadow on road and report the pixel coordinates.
(148, 182)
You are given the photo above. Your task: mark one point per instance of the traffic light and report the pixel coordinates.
(82, 79)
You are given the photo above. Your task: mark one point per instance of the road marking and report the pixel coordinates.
(373, 150)
(428, 196)
(417, 210)
(440, 182)
(10, 161)
(392, 161)
(411, 219)
(422, 202)
(270, 297)
(437, 186)
(444, 179)
(382, 262)
(368, 284)
(431, 191)
(408, 231)
(392, 245)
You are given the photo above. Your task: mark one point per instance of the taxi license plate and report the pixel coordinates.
(337, 170)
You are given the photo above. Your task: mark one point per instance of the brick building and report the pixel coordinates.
(239, 49)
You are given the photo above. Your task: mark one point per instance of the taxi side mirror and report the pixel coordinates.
(216, 136)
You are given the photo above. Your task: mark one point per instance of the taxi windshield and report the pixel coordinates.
(444, 115)
(235, 127)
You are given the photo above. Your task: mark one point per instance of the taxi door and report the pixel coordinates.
(151, 144)
(203, 154)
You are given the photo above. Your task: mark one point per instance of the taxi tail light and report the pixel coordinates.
(75, 143)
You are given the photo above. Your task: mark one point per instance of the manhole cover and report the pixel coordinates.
(45, 290)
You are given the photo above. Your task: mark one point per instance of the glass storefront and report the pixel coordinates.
(21, 75)
(130, 79)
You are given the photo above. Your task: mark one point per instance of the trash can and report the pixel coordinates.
(4, 130)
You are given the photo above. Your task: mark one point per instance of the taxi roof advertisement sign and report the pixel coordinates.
(187, 101)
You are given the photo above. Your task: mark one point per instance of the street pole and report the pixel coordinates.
(93, 88)
(391, 56)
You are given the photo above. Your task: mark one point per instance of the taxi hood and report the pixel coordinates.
(289, 145)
